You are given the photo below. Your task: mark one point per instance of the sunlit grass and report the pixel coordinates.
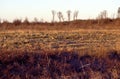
(79, 54)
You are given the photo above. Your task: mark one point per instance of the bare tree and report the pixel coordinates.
(119, 12)
(68, 13)
(53, 14)
(36, 20)
(17, 21)
(26, 21)
(42, 20)
(60, 16)
(103, 15)
(75, 15)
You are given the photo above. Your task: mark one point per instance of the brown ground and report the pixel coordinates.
(59, 65)
(68, 51)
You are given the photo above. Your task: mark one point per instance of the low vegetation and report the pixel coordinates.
(59, 65)
(80, 49)
(78, 54)
(66, 25)
(68, 49)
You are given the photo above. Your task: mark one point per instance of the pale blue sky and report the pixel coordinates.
(11, 9)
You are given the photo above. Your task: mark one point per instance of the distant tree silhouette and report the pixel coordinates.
(41, 20)
(119, 12)
(53, 14)
(36, 20)
(5, 21)
(17, 22)
(103, 15)
(60, 16)
(75, 15)
(0, 21)
(26, 21)
(69, 14)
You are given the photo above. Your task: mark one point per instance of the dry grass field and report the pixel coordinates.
(80, 40)
(75, 54)
(83, 49)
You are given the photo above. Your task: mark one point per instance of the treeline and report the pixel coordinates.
(71, 16)
(101, 21)
(72, 25)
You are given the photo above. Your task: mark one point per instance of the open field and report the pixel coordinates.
(76, 54)
(59, 39)
(87, 40)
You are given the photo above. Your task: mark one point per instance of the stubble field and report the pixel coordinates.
(58, 54)
(86, 40)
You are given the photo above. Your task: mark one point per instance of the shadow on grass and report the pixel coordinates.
(62, 65)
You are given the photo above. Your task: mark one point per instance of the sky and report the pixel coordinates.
(13, 9)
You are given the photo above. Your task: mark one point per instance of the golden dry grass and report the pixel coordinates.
(53, 54)
(82, 49)
(72, 25)
(92, 41)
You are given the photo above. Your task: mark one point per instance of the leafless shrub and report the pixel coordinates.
(118, 13)
(102, 15)
(0, 21)
(6, 22)
(35, 20)
(69, 14)
(60, 16)
(26, 21)
(17, 22)
(53, 14)
(75, 15)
